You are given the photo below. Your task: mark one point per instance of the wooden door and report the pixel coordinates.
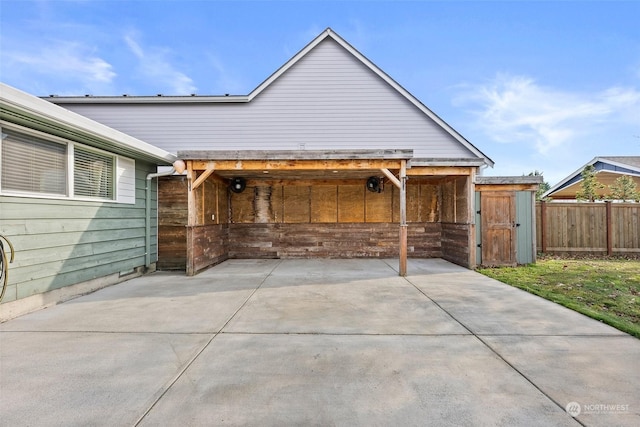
(498, 214)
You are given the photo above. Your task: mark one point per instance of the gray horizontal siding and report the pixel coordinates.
(328, 100)
(63, 242)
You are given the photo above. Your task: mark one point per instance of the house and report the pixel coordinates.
(76, 202)
(328, 157)
(607, 169)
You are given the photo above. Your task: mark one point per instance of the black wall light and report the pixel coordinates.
(238, 185)
(373, 184)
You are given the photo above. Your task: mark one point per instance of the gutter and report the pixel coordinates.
(179, 167)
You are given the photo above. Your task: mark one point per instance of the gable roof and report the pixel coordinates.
(329, 33)
(325, 35)
(614, 165)
(28, 110)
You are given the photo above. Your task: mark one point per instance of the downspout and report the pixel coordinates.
(178, 166)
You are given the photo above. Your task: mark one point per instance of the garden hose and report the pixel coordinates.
(4, 264)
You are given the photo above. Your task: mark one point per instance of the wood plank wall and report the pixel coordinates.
(289, 221)
(302, 204)
(456, 221)
(213, 210)
(207, 245)
(455, 243)
(331, 240)
(172, 220)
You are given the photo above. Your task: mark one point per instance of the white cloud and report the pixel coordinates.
(513, 109)
(154, 65)
(223, 80)
(59, 60)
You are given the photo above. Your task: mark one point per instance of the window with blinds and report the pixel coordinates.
(33, 165)
(93, 174)
(37, 166)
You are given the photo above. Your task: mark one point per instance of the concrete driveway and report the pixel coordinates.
(316, 342)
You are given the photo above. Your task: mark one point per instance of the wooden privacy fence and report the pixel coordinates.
(599, 228)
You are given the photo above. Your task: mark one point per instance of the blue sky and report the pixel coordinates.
(535, 85)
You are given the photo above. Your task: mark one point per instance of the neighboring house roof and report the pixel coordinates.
(21, 108)
(608, 169)
(466, 152)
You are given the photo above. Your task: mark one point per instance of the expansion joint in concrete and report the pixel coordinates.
(204, 347)
(493, 350)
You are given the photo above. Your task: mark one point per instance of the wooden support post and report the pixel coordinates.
(609, 230)
(543, 226)
(192, 218)
(403, 219)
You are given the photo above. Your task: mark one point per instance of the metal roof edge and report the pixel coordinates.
(159, 99)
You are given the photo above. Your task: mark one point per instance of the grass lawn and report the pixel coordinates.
(604, 289)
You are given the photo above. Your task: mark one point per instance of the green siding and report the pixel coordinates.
(63, 242)
(478, 228)
(524, 233)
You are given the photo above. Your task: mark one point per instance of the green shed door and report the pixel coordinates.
(524, 227)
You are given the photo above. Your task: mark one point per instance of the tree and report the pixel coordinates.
(624, 188)
(544, 186)
(589, 186)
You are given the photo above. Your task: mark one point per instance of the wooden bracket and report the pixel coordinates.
(392, 178)
(202, 178)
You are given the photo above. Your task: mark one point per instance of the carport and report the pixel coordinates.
(316, 204)
(261, 171)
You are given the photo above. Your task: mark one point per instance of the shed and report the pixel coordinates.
(328, 157)
(73, 202)
(506, 220)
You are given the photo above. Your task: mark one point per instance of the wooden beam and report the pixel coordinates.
(192, 218)
(295, 154)
(202, 178)
(295, 165)
(392, 178)
(506, 187)
(403, 219)
(439, 170)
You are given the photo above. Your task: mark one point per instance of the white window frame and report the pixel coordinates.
(123, 174)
